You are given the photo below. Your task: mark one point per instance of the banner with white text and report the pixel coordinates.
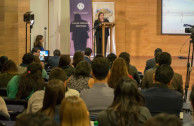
(80, 25)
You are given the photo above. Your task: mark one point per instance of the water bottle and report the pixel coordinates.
(95, 123)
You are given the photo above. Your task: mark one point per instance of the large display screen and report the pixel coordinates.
(176, 13)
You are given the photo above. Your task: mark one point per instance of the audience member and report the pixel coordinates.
(87, 55)
(131, 69)
(111, 58)
(58, 73)
(177, 82)
(151, 62)
(38, 42)
(35, 119)
(161, 99)
(36, 100)
(118, 70)
(54, 94)
(100, 96)
(36, 51)
(164, 119)
(44, 73)
(73, 112)
(54, 60)
(23, 86)
(3, 107)
(27, 59)
(127, 108)
(65, 64)
(81, 79)
(147, 79)
(8, 71)
(2, 61)
(77, 57)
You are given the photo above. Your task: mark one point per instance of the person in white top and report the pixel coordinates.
(35, 102)
(3, 107)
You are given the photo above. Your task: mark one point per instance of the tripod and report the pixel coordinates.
(189, 65)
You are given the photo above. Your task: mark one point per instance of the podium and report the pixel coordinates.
(106, 25)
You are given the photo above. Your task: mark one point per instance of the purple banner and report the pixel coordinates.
(81, 23)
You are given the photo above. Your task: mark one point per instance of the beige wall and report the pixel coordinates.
(65, 27)
(58, 23)
(40, 10)
(12, 28)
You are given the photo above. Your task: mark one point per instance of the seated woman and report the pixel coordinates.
(127, 108)
(44, 73)
(111, 58)
(54, 94)
(23, 86)
(35, 102)
(77, 57)
(73, 112)
(65, 64)
(81, 79)
(8, 71)
(38, 42)
(3, 107)
(118, 70)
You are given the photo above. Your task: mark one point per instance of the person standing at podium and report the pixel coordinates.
(98, 32)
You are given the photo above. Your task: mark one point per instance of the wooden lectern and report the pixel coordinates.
(106, 25)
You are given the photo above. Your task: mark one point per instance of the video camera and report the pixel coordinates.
(189, 30)
(28, 17)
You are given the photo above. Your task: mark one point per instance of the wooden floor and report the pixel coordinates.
(178, 65)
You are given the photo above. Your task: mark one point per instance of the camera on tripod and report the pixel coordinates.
(28, 17)
(189, 30)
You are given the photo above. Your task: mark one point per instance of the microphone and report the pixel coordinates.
(187, 25)
(45, 28)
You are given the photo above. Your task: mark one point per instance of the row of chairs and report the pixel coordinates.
(14, 107)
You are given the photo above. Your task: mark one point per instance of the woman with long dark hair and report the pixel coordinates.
(23, 86)
(98, 32)
(54, 94)
(77, 57)
(8, 71)
(127, 108)
(118, 70)
(44, 73)
(38, 42)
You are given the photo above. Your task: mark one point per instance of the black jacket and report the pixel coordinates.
(99, 29)
(160, 99)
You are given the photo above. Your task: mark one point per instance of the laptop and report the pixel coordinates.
(43, 55)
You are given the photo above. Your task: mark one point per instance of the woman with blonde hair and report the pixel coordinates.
(118, 70)
(73, 112)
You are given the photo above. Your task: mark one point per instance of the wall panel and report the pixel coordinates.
(12, 28)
